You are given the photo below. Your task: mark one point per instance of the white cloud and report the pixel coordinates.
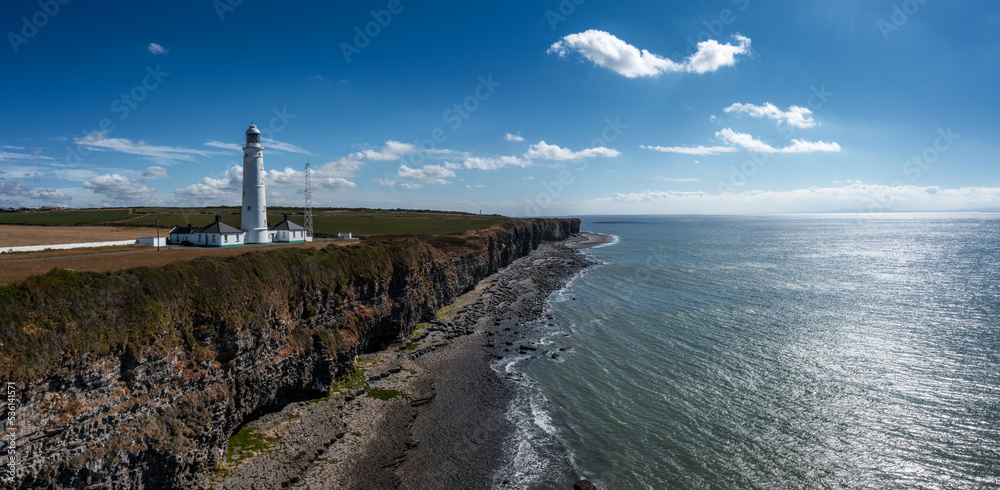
(118, 188)
(74, 174)
(336, 183)
(228, 146)
(154, 172)
(606, 50)
(490, 163)
(452, 166)
(272, 144)
(99, 141)
(736, 141)
(288, 177)
(748, 142)
(540, 150)
(4, 155)
(856, 197)
(44, 195)
(216, 190)
(392, 150)
(692, 150)
(269, 144)
(157, 49)
(479, 186)
(546, 151)
(344, 167)
(712, 118)
(433, 174)
(795, 116)
(514, 137)
(711, 55)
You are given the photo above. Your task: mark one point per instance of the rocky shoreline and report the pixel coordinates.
(426, 412)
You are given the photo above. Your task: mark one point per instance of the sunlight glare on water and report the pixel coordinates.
(763, 352)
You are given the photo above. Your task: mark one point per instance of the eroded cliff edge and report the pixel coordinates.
(136, 379)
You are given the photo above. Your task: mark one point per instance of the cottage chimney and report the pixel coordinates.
(218, 218)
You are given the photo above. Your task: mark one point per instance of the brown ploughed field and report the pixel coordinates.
(18, 266)
(22, 236)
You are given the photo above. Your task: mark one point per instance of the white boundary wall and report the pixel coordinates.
(66, 246)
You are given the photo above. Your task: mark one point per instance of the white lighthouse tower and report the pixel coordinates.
(254, 212)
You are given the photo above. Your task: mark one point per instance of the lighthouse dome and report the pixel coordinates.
(253, 136)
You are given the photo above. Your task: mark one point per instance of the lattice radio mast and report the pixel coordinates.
(309, 202)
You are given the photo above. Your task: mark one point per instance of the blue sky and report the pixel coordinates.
(519, 108)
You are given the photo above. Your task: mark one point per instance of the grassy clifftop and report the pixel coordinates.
(77, 313)
(65, 312)
(327, 221)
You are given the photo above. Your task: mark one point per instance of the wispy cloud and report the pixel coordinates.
(692, 150)
(5, 155)
(608, 51)
(748, 142)
(273, 144)
(99, 141)
(228, 146)
(736, 141)
(269, 144)
(795, 116)
(514, 137)
(157, 49)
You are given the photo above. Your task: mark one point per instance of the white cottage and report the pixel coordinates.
(217, 234)
(287, 232)
(187, 235)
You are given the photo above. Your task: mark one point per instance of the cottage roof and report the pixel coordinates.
(187, 230)
(219, 227)
(287, 225)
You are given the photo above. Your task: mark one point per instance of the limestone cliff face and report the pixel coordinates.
(137, 379)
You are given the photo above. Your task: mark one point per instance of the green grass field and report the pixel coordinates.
(65, 218)
(327, 222)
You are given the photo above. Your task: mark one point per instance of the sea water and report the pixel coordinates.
(816, 351)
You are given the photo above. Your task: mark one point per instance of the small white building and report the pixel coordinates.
(217, 234)
(287, 232)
